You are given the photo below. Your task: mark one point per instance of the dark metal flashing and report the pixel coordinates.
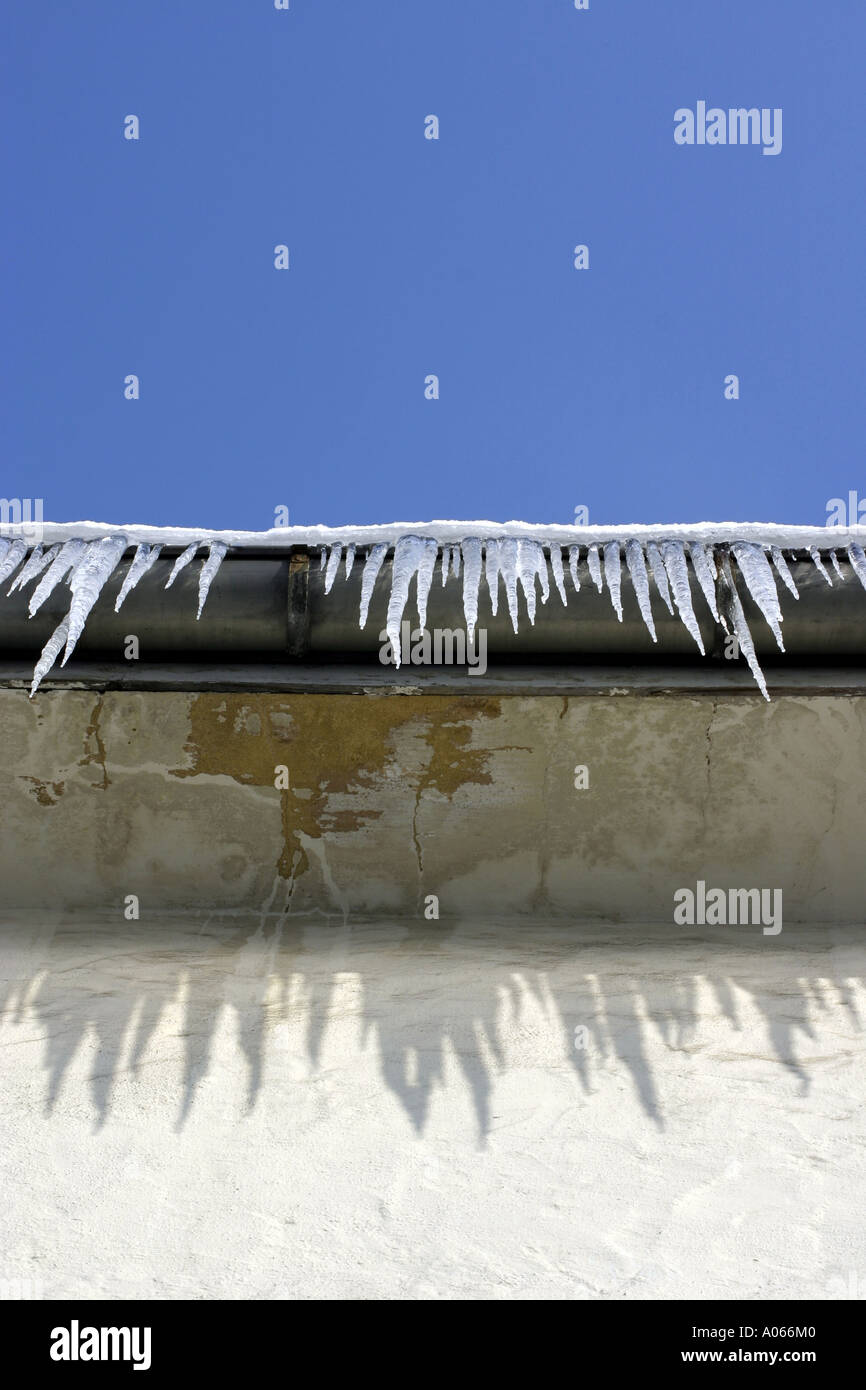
(713, 679)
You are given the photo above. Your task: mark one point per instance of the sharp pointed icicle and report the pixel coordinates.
(69, 556)
(39, 560)
(556, 571)
(491, 573)
(783, 572)
(834, 560)
(531, 564)
(98, 565)
(674, 557)
(350, 559)
(756, 571)
(594, 563)
(50, 653)
(413, 556)
(323, 555)
(858, 562)
(734, 610)
(455, 561)
(372, 566)
(659, 574)
(12, 558)
(333, 565)
(705, 569)
(573, 557)
(471, 583)
(613, 575)
(508, 570)
(819, 564)
(144, 558)
(634, 558)
(181, 562)
(216, 555)
(426, 566)
(445, 563)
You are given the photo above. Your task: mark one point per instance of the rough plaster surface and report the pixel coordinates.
(242, 1106)
(171, 797)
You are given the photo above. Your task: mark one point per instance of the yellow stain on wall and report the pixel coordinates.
(333, 744)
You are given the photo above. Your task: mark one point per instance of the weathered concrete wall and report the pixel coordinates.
(391, 798)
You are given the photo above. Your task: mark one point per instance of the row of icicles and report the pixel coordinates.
(85, 566)
(524, 562)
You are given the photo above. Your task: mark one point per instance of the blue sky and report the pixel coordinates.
(411, 257)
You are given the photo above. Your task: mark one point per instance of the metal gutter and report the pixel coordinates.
(275, 609)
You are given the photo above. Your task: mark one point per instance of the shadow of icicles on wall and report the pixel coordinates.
(440, 1005)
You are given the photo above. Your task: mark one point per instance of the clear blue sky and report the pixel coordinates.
(411, 256)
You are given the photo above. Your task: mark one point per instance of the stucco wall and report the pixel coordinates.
(391, 798)
(219, 1108)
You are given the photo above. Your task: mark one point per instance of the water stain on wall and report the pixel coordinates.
(332, 746)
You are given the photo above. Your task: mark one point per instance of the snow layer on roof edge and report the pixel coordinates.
(450, 533)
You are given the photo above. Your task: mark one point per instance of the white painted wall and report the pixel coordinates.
(238, 1107)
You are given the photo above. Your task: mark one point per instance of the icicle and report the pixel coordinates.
(143, 559)
(471, 583)
(372, 566)
(69, 556)
(12, 558)
(556, 569)
(181, 563)
(531, 563)
(573, 557)
(445, 563)
(674, 557)
(782, 570)
(333, 565)
(39, 560)
(858, 561)
(508, 569)
(413, 555)
(491, 573)
(734, 610)
(77, 559)
(99, 563)
(407, 554)
(640, 580)
(32, 567)
(455, 561)
(594, 564)
(49, 655)
(819, 564)
(426, 566)
(613, 575)
(323, 555)
(756, 571)
(350, 559)
(835, 561)
(705, 568)
(216, 555)
(659, 574)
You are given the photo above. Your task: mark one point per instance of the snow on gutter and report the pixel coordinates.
(510, 556)
(284, 537)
